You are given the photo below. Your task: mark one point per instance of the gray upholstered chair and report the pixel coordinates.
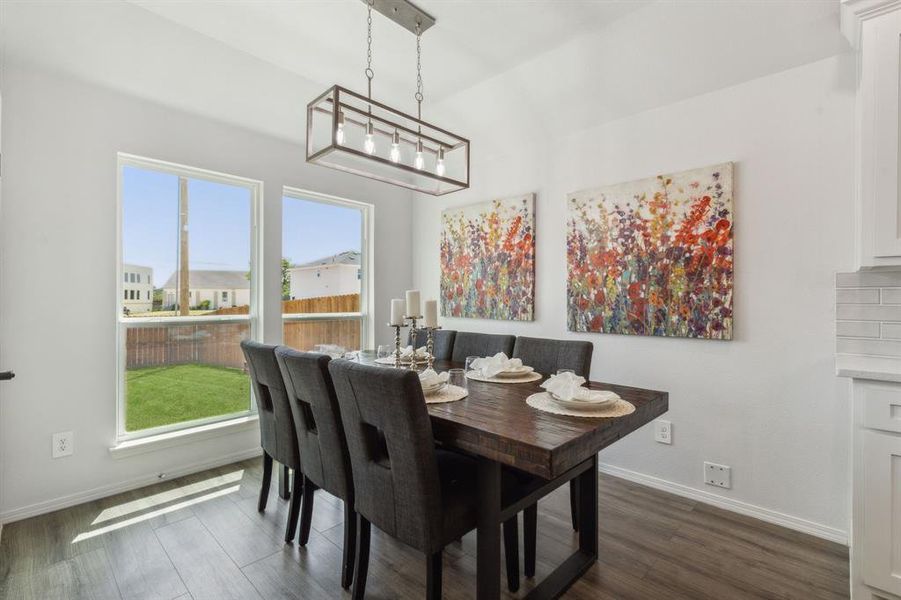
(323, 447)
(546, 356)
(442, 339)
(277, 435)
(480, 344)
(414, 492)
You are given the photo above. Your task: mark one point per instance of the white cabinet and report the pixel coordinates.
(875, 27)
(876, 496)
(881, 545)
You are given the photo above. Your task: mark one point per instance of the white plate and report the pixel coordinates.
(596, 399)
(515, 372)
(434, 389)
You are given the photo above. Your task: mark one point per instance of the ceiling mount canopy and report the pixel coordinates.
(357, 134)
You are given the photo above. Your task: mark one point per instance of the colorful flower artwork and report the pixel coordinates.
(653, 257)
(488, 260)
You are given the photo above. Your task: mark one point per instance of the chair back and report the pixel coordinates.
(480, 344)
(277, 436)
(320, 434)
(392, 452)
(442, 342)
(546, 356)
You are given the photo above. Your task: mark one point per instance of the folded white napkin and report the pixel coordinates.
(492, 365)
(408, 352)
(567, 386)
(429, 378)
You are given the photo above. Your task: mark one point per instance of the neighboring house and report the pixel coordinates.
(334, 275)
(222, 288)
(137, 288)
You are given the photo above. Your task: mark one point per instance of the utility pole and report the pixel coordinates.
(184, 286)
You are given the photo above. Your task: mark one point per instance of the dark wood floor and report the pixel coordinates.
(201, 537)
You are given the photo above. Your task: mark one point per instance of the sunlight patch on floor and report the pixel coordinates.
(156, 513)
(133, 506)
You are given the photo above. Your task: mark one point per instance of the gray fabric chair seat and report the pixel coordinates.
(278, 436)
(442, 339)
(546, 356)
(467, 343)
(323, 445)
(423, 496)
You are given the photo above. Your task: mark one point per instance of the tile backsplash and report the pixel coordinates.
(868, 313)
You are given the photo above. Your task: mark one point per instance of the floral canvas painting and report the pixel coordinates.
(654, 256)
(488, 260)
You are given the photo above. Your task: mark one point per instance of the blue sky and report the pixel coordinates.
(219, 225)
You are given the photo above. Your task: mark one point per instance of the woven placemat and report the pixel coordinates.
(533, 376)
(543, 401)
(450, 393)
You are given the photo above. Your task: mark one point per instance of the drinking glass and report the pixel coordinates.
(562, 371)
(385, 350)
(457, 377)
(468, 364)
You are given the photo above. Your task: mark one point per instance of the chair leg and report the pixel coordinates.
(294, 511)
(362, 565)
(284, 486)
(530, 534)
(433, 576)
(511, 552)
(306, 514)
(574, 502)
(350, 543)
(267, 479)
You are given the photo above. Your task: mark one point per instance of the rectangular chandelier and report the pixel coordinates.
(355, 134)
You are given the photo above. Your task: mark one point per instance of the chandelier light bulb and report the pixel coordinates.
(339, 133)
(439, 168)
(369, 142)
(395, 147)
(419, 163)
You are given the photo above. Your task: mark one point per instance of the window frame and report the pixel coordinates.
(254, 317)
(367, 228)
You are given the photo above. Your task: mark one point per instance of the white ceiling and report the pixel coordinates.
(325, 40)
(501, 72)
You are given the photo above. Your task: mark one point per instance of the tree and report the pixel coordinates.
(286, 279)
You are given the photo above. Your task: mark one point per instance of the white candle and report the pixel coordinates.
(397, 312)
(413, 303)
(431, 313)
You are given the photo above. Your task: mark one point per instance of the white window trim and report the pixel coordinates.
(255, 318)
(367, 228)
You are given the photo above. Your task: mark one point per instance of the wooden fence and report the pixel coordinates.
(218, 343)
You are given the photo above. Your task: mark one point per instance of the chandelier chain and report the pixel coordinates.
(419, 97)
(369, 72)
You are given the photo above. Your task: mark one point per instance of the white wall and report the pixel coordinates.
(767, 403)
(59, 216)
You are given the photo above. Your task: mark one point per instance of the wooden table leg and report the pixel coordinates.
(560, 579)
(488, 534)
(588, 509)
(284, 482)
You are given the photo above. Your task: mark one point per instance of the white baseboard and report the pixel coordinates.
(758, 512)
(39, 508)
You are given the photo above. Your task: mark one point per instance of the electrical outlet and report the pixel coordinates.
(663, 431)
(718, 475)
(63, 444)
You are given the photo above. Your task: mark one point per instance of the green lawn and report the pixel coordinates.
(164, 395)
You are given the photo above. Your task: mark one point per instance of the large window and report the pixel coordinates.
(192, 233)
(325, 272)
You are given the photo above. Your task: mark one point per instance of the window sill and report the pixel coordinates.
(183, 436)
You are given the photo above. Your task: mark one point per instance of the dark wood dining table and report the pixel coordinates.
(494, 424)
